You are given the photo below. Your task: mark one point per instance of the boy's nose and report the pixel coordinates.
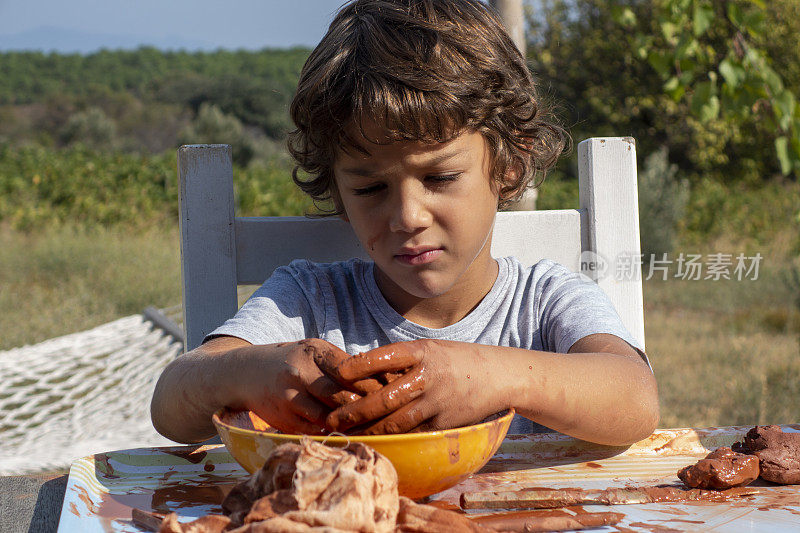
(409, 212)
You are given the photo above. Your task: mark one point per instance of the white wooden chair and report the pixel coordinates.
(221, 251)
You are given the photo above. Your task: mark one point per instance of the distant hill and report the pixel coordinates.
(63, 40)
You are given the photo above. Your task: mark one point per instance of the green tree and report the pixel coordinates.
(717, 55)
(593, 58)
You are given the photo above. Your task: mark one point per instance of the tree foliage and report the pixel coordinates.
(713, 55)
(256, 87)
(611, 66)
(79, 185)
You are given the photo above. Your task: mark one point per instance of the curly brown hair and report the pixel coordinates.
(423, 70)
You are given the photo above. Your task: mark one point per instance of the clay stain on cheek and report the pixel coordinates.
(371, 242)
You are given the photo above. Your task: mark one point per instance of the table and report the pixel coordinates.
(192, 480)
(31, 503)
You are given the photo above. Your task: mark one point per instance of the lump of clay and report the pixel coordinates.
(778, 452)
(213, 523)
(721, 469)
(312, 485)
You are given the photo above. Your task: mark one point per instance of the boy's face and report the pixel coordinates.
(424, 213)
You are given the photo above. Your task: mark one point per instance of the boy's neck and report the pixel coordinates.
(446, 309)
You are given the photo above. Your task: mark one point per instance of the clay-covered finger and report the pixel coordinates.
(390, 358)
(294, 424)
(309, 409)
(328, 360)
(403, 420)
(388, 377)
(380, 403)
(330, 392)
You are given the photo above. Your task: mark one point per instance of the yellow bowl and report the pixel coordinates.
(426, 462)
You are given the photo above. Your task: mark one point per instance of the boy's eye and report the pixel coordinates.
(366, 191)
(443, 178)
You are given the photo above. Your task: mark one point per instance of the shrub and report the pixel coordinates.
(212, 126)
(662, 203)
(91, 127)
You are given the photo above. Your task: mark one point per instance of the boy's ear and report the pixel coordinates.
(337, 202)
(509, 185)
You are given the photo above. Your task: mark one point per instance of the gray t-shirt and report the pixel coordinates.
(543, 307)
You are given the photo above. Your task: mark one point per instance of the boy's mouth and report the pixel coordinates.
(417, 256)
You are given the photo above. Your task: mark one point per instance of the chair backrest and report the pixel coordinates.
(220, 251)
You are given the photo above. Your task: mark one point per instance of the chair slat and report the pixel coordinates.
(207, 240)
(608, 193)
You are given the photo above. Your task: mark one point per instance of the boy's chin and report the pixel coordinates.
(417, 288)
(427, 290)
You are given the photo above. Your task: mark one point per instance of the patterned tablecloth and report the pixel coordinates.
(104, 488)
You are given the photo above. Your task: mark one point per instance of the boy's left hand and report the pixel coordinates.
(444, 384)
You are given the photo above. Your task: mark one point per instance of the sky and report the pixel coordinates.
(87, 25)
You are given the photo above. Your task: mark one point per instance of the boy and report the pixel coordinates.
(417, 119)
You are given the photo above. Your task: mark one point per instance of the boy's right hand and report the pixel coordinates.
(289, 385)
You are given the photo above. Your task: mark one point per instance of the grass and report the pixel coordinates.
(724, 352)
(62, 280)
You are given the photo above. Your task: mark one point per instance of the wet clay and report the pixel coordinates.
(328, 357)
(544, 498)
(721, 469)
(212, 523)
(194, 456)
(102, 459)
(453, 453)
(377, 404)
(778, 453)
(419, 517)
(395, 357)
(549, 520)
(654, 528)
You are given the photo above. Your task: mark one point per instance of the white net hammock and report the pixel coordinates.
(80, 394)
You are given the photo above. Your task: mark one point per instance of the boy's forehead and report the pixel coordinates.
(462, 145)
(362, 135)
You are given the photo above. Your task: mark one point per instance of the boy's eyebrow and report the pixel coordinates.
(367, 172)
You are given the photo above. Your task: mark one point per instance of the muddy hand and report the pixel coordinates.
(396, 399)
(324, 387)
(285, 384)
(328, 362)
(444, 384)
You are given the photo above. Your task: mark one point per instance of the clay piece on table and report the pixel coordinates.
(721, 469)
(350, 489)
(778, 452)
(213, 523)
(429, 519)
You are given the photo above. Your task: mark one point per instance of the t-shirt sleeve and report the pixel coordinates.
(278, 311)
(571, 306)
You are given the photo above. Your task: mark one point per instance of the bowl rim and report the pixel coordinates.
(366, 439)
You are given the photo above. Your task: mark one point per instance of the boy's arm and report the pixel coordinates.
(601, 391)
(282, 383)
